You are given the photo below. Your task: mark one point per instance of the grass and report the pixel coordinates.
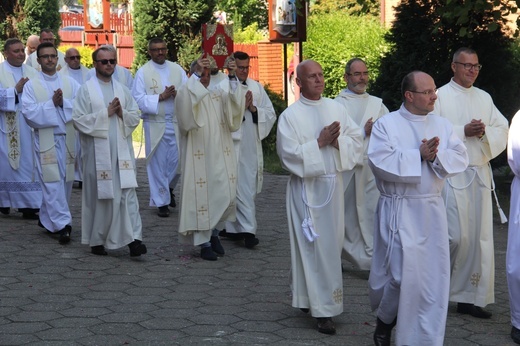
(272, 164)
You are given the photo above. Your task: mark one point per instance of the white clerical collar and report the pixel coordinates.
(160, 66)
(49, 77)
(410, 116)
(13, 68)
(459, 87)
(349, 93)
(309, 102)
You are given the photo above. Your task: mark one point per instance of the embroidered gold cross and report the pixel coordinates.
(232, 178)
(199, 154)
(202, 210)
(200, 183)
(104, 175)
(337, 296)
(125, 164)
(155, 86)
(227, 151)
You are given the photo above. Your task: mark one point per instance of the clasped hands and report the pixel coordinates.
(329, 135)
(475, 128)
(428, 148)
(114, 107)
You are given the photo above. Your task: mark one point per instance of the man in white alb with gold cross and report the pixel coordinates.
(105, 114)
(47, 107)
(155, 88)
(206, 119)
(19, 187)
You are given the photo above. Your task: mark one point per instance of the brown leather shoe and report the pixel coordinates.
(326, 325)
(383, 332)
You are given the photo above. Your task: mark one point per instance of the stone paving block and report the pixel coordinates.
(23, 327)
(18, 339)
(74, 322)
(125, 317)
(63, 334)
(171, 322)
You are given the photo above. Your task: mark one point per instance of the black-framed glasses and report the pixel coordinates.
(106, 61)
(425, 92)
(155, 50)
(48, 56)
(476, 67)
(74, 57)
(359, 74)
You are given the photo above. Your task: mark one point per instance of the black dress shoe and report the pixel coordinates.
(475, 311)
(231, 236)
(305, 310)
(30, 216)
(98, 250)
(5, 211)
(137, 248)
(216, 246)
(383, 332)
(65, 235)
(250, 241)
(206, 253)
(515, 335)
(326, 325)
(163, 211)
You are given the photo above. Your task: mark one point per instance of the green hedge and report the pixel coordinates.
(335, 38)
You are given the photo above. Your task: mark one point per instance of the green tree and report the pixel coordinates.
(422, 40)
(178, 22)
(37, 15)
(243, 13)
(334, 38)
(352, 7)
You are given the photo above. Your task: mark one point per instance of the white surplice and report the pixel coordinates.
(361, 194)
(410, 273)
(160, 126)
(43, 116)
(250, 160)
(111, 222)
(315, 196)
(19, 184)
(513, 235)
(468, 195)
(208, 183)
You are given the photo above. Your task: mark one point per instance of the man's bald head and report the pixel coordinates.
(73, 58)
(32, 43)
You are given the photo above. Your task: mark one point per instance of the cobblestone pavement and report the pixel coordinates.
(62, 295)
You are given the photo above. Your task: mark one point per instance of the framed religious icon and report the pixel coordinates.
(97, 15)
(217, 43)
(287, 20)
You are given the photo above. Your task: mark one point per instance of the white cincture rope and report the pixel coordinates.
(307, 224)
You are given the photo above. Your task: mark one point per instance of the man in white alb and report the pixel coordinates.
(47, 108)
(259, 118)
(483, 129)
(206, 119)
(30, 46)
(155, 88)
(19, 187)
(361, 193)
(316, 141)
(121, 74)
(411, 153)
(105, 114)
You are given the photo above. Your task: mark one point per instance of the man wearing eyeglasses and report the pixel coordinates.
(155, 89)
(46, 35)
(18, 188)
(79, 73)
(259, 118)
(47, 108)
(411, 153)
(121, 74)
(106, 114)
(361, 193)
(484, 130)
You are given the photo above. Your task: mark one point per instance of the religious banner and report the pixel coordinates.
(217, 43)
(97, 15)
(287, 20)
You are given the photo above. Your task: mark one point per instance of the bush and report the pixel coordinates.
(335, 38)
(85, 52)
(279, 105)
